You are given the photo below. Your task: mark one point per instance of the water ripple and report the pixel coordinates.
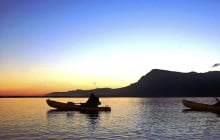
(130, 118)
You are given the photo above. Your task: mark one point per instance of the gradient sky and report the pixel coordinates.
(60, 45)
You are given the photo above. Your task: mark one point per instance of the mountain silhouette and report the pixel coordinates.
(160, 83)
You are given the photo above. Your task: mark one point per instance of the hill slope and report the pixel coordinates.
(161, 83)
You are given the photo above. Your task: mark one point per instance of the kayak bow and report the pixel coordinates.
(200, 106)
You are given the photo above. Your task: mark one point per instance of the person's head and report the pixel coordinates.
(92, 95)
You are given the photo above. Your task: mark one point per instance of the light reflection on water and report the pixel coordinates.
(130, 118)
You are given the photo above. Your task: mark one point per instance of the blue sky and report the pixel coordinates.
(112, 42)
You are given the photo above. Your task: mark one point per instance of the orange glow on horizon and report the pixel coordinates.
(37, 81)
(20, 93)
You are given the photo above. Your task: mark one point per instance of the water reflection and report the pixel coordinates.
(93, 119)
(53, 113)
(196, 111)
(130, 118)
(73, 116)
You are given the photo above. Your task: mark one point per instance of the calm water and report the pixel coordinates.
(130, 118)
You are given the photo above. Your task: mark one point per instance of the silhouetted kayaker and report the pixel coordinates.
(218, 102)
(93, 101)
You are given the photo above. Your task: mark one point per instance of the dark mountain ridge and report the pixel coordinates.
(160, 83)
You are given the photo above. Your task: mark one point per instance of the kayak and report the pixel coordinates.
(74, 107)
(201, 106)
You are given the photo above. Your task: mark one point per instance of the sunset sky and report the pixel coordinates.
(61, 45)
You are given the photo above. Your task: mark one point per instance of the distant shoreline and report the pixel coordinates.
(37, 97)
(103, 97)
(22, 96)
(46, 97)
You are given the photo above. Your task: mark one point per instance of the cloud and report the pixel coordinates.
(216, 65)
